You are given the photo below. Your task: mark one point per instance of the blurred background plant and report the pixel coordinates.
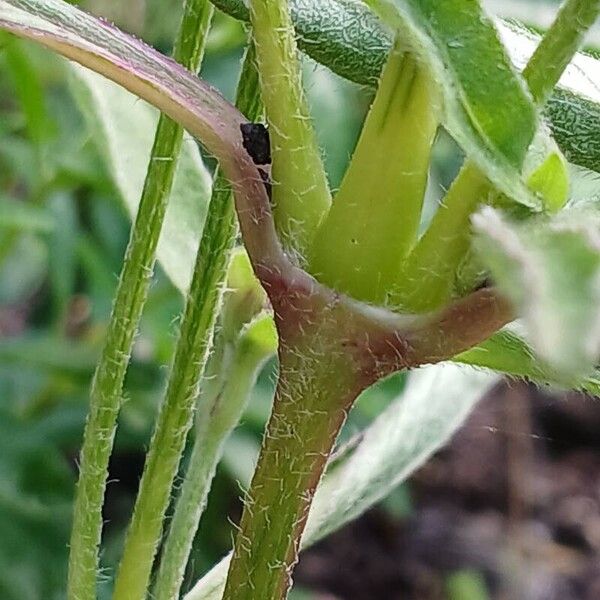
(63, 229)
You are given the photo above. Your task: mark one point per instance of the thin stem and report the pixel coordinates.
(558, 46)
(428, 277)
(130, 297)
(219, 412)
(300, 192)
(374, 221)
(191, 353)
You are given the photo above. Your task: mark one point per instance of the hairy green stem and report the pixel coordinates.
(314, 391)
(558, 46)
(300, 190)
(374, 221)
(220, 410)
(331, 348)
(428, 277)
(191, 353)
(175, 416)
(130, 297)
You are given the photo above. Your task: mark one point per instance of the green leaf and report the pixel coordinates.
(456, 35)
(488, 109)
(550, 270)
(551, 181)
(435, 402)
(122, 128)
(508, 353)
(29, 89)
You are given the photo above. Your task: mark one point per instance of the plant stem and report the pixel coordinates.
(191, 353)
(175, 416)
(220, 411)
(428, 276)
(300, 191)
(330, 349)
(374, 220)
(130, 297)
(558, 46)
(314, 391)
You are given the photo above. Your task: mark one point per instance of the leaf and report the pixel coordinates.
(508, 353)
(488, 109)
(29, 90)
(457, 37)
(550, 270)
(352, 42)
(435, 402)
(122, 128)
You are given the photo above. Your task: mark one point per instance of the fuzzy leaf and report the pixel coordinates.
(122, 128)
(550, 270)
(487, 107)
(508, 353)
(434, 404)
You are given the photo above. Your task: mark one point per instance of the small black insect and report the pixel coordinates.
(255, 139)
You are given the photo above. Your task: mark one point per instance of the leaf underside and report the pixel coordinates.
(122, 129)
(550, 270)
